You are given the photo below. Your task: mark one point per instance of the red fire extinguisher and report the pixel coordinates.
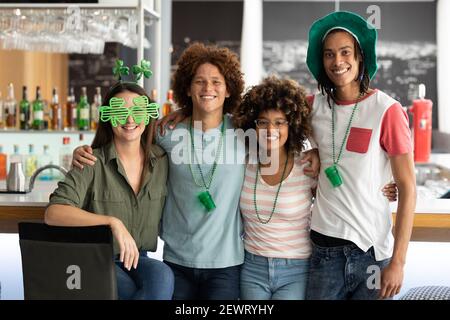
(422, 126)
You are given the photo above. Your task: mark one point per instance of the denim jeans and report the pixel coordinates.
(340, 273)
(205, 284)
(273, 278)
(151, 280)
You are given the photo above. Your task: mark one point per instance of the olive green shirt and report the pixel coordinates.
(104, 189)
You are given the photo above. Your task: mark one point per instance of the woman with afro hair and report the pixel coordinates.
(275, 206)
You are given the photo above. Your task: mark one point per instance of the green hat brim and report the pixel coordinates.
(365, 34)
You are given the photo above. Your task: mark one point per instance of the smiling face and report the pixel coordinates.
(130, 131)
(340, 60)
(272, 130)
(208, 89)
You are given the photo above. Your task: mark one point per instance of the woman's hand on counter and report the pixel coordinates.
(83, 155)
(129, 253)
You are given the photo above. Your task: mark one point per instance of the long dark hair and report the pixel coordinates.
(104, 134)
(326, 86)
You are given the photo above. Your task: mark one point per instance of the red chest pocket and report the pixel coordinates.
(359, 139)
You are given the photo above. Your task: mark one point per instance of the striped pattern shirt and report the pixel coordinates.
(287, 233)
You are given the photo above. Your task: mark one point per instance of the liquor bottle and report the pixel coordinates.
(2, 113)
(83, 111)
(154, 95)
(55, 109)
(3, 158)
(16, 156)
(169, 104)
(30, 162)
(94, 108)
(38, 111)
(44, 159)
(71, 110)
(10, 106)
(65, 154)
(24, 110)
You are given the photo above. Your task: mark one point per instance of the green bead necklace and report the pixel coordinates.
(276, 195)
(205, 197)
(332, 172)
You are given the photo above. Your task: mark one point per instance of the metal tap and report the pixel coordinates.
(39, 170)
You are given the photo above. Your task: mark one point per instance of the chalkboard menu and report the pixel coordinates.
(93, 70)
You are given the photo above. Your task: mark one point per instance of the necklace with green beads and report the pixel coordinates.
(276, 195)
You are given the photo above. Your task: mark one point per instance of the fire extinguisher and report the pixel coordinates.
(421, 110)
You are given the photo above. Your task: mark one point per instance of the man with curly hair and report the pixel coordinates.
(363, 139)
(201, 225)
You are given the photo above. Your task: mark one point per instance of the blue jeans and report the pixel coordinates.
(205, 284)
(341, 273)
(273, 278)
(151, 280)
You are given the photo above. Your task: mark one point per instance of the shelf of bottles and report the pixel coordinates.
(45, 133)
(37, 133)
(38, 115)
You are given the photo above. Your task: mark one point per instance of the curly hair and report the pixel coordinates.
(225, 60)
(283, 95)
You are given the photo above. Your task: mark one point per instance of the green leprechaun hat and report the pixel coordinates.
(357, 26)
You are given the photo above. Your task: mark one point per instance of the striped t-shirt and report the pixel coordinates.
(287, 233)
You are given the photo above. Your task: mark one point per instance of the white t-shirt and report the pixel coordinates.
(357, 210)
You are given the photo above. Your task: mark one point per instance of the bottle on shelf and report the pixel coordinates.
(31, 162)
(71, 110)
(10, 106)
(24, 110)
(65, 154)
(44, 159)
(2, 113)
(169, 105)
(55, 110)
(95, 107)
(38, 111)
(3, 160)
(154, 95)
(83, 111)
(17, 157)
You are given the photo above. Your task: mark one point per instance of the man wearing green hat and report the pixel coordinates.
(363, 140)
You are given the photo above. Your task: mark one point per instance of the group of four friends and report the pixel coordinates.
(235, 229)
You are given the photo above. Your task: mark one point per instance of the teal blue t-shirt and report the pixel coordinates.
(193, 237)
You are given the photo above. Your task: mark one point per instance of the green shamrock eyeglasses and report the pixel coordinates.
(142, 110)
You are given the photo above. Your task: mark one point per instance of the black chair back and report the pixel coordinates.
(67, 262)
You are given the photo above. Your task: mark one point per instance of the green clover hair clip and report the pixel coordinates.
(138, 70)
(142, 110)
(142, 70)
(120, 70)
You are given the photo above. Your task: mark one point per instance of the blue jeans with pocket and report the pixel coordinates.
(265, 278)
(205, 284)
(343, 273)
(151, 280)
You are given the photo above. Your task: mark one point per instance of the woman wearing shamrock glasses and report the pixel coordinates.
(363, 139)
(125, 189)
